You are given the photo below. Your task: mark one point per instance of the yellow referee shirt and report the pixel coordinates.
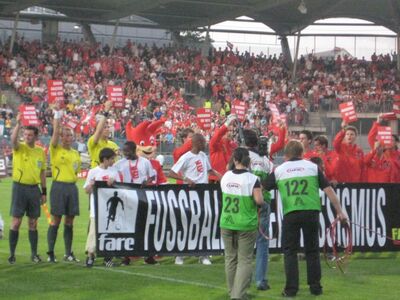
(65, 164)
(28, 163)
(94, 150)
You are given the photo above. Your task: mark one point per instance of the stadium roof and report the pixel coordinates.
(283, 16)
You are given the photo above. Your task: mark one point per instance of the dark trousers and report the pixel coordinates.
(293, 222)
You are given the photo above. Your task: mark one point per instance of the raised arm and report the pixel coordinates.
(102, 123)
(56, 127)
(15, 132)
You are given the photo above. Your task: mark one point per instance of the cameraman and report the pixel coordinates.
(261, 166)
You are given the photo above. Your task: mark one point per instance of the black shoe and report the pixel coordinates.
(263, 287)
(286, 293)
(11, 260)
(51, 257)
(151, 261)
(36, 259)
(89, 261)
(125, 261)
(316, 292)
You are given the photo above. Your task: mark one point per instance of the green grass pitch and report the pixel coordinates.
(368, 276)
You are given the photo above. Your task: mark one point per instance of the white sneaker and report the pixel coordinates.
(205, 260)
(179, 260)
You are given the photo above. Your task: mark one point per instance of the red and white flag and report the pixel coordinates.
(396, 108)
(115, 93)
(384, 136)
(28, 115)
(390, 116)
(204, 118)
(55, 90)
(348, 112)
(71, 122)
(239, 109)
(276, 115)
(229, 44)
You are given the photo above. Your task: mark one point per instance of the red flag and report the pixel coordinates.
(384, 136)
(55, 91)
(239, 109)
(28, 115)
(396, 108)
(204, 118)
(348, 112)
(115, 93)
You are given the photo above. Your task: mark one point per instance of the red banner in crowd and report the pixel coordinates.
(239, 108)
(348, 112)
(28, 115)
(396, 108)
(115, 93)
(384, 136)
(55, 90)
(204, 118)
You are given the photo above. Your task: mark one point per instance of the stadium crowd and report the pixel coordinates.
(150, 77)
(153, 77)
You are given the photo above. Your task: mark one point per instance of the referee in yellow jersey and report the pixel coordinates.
(100, 139)
(64, 200)
(29, 170)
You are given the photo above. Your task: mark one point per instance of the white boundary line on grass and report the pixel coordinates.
(174, 280)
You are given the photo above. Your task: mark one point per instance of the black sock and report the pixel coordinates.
(68, 235)
(33, 239)
(52, 237)
(13, 240)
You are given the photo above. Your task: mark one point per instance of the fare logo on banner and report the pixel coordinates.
(204, 118)
(55, 90)
(115, 93)
(28, 115)
(348, 112)
(239, 109)
(384, 136)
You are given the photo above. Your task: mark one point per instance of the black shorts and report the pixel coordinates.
(64, 199)
(25, 200)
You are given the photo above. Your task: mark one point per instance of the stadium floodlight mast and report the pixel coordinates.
(302, 7)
